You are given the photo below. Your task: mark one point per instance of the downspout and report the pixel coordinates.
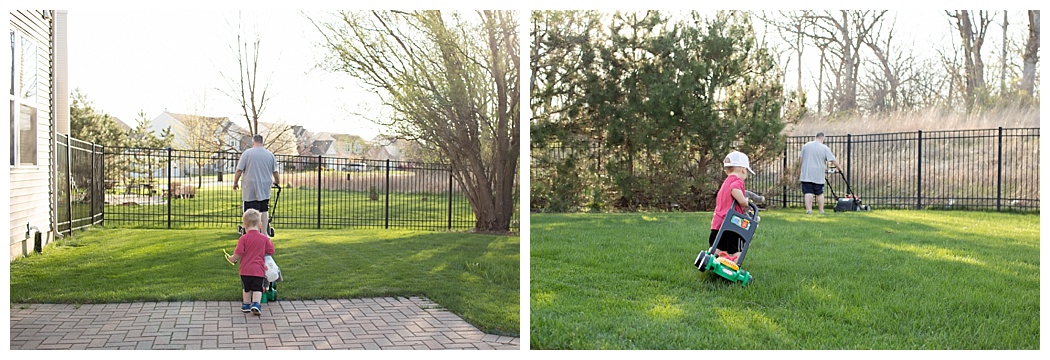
(60, 99)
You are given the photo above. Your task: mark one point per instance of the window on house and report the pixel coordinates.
(23, 96)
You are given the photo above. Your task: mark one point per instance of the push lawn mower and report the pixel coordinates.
(738, 223)
(269, 228)
(851, 202)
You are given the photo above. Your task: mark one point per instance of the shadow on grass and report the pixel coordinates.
(893, 280)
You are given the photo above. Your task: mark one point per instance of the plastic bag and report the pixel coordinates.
(273, 273)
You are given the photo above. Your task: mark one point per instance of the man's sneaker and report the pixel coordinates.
(246, 308)
(255, 309)
(822, 212)
(809, 212)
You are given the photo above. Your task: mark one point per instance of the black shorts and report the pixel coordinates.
(812, 188)
(731, 242)
(253, 283)
(262, 205)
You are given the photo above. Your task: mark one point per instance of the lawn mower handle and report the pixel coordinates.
(754, 210)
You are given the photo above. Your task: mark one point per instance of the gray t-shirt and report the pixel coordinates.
(258, 166)
(814, 157)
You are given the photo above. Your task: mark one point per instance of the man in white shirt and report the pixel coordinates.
(814, 157)
(257, 165)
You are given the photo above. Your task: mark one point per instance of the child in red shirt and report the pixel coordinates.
(251, 251)
(732, 194)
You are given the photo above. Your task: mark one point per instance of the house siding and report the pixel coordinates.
(30, 184)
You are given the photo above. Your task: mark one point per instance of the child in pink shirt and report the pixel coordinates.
(732, 194)
(251, 252)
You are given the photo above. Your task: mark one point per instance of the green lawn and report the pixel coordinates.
(861, 280)
(472, 275)
(297, 208)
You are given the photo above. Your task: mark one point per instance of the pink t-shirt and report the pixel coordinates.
(253, 247)
(724, 200)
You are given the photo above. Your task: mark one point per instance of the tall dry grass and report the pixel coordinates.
(925, 120)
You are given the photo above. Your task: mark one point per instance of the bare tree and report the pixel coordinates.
(246, 88)
(1031, 54)
(841, 35)
(201, 133)
(452, 83)
(280, 137)
(1002, 58)
(972, 35)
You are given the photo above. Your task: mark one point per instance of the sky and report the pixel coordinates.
(128, 60)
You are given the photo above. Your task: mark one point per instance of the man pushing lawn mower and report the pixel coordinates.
(257, 165)
(731, 228)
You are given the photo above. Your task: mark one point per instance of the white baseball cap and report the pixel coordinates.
(737, 158)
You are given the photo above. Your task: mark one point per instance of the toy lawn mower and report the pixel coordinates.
(269, 222)
(273, 275)
(743, 225)
(851, 202)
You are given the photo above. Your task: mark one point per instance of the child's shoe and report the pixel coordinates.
(246, 308)
(255, 309)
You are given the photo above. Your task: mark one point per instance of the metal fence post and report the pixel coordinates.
(169, 187)
(784, 202)
(999, 175)
(69, 181)
(320, 161)
(450, 197)
(386, 221)
(849, 155)
(918, 195)
(102, 214)
(94, 187)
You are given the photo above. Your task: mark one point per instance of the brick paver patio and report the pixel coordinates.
(377, 323)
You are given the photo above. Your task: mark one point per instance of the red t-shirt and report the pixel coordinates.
(253, 247)
(724, 200)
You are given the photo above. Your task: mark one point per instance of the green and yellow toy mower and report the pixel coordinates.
(743, 225)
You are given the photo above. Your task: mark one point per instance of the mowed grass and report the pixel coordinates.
(860, 280)
(473, 275)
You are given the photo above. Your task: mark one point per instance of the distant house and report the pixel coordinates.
(39, 113)
(379, 152)
(280, 138)
(228, 138)
(324, 145)
(123, 125)
(233, 137)
(349, 146)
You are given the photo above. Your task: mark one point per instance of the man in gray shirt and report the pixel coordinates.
(814, 157)
(257, 165)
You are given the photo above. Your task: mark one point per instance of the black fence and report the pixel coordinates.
(79, 172)
(993, 169)
(163, 188)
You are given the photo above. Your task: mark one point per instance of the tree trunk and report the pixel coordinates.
(966, 34)
(848, 93)
(1031, 54)
(1002, 58)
